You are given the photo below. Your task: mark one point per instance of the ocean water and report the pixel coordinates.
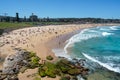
(100, 47)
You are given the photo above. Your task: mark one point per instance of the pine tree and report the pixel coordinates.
(17, 17)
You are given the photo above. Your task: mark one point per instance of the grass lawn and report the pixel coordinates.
(4, 25)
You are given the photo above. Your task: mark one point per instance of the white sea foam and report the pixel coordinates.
(80, 37)
(112, 58)
(60, 53)
(84, 35)
(102, 64)
(104, 28)
(106, 33)
(114, 28)
(108, 28)
(92, 33)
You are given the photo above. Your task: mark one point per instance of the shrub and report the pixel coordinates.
(65, 78)
(48, 69)
(49, 57)
(50, 73)
(64, 69)
(74, 71)
(60, 68)
(63, 65)
(42, 73)
(34, 62)
(65, 61)
(51, 69)
(32, 54)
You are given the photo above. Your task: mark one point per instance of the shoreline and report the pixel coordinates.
(43, 41)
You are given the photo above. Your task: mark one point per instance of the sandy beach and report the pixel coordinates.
(40, 40)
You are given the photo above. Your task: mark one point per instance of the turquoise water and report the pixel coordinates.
(99, 45)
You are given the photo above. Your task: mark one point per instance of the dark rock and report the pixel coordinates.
(74, 78)
(0, 71)
(1, 31)
(14, 62)
(2, 77)
(12, 77)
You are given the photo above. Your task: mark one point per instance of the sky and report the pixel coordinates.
(62, 8)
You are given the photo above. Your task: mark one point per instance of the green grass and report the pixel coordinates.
(52, 23)
(4, 25)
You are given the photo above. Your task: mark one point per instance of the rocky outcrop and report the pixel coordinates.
(15, 63)
(23, 60)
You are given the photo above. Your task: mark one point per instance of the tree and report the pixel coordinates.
(17, 17)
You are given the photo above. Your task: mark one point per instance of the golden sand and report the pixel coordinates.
(40, 40)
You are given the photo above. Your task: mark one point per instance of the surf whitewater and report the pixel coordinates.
(99, 45)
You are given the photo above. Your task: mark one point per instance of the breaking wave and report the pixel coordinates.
(117, 69)
(97, 48)
(84, 35)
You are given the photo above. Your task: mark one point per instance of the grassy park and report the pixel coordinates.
(4, 25)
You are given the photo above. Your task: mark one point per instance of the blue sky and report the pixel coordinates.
(62, 8)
